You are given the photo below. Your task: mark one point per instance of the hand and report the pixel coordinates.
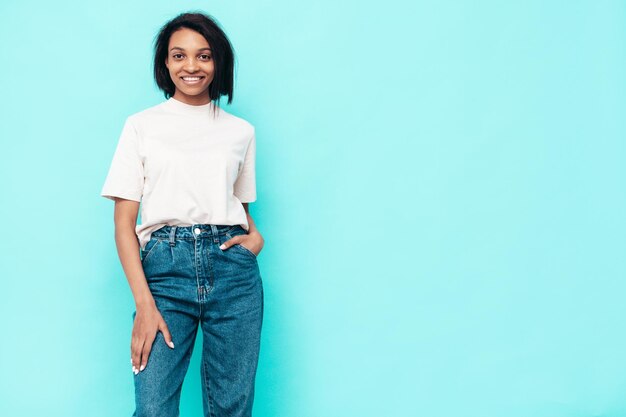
(148, 321)
(252, 241)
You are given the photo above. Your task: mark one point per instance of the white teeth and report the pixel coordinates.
(191, 78)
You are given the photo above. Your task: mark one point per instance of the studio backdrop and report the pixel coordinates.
(441, 190)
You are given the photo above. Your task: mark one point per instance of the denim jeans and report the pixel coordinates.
(194, 282)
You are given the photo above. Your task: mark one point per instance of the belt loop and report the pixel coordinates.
(172, 236)
(215, 233)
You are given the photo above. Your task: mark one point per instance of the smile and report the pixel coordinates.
(191, 80)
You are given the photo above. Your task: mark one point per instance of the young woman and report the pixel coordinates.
(193, 259)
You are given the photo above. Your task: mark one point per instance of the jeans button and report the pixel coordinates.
(196, 230)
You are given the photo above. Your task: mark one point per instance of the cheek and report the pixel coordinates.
(174, 76)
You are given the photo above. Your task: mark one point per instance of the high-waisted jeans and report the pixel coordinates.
(194, 282)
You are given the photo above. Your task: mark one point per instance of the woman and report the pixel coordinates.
(193, 258)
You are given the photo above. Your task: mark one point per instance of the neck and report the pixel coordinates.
(198, 100)
(183, 108)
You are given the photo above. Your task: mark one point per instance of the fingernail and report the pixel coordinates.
(131, 361)
(142, 367)
(171, 344)
(223, 246)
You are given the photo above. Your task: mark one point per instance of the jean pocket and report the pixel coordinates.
(243, 248)
(237, 246)
(149, 249)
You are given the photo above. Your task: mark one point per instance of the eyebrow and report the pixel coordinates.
(182, 49)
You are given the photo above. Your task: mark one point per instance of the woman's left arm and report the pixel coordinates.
(252, 241)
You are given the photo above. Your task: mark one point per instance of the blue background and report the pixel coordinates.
(441, 188)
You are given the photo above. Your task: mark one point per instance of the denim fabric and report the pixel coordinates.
(194, 282)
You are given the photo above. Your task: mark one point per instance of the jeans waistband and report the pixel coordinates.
(195, 231)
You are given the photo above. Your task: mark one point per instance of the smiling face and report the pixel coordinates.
(190, 64)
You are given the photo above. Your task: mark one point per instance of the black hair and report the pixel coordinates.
(221, 51)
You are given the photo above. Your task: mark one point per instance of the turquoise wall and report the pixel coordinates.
(441, 188)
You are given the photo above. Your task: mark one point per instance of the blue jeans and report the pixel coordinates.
(194, 282)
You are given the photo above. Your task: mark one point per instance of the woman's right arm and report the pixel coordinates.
(148, 319)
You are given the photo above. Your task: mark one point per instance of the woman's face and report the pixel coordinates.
(189, 56)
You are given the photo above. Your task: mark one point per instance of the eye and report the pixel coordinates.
(175, 55)
(206, 56)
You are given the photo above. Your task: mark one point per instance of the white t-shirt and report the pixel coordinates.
(185, 165)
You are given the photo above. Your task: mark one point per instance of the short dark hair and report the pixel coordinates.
(221, 51)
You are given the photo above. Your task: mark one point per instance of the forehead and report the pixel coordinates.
(187, 39)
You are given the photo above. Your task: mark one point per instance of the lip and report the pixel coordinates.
(202, 77)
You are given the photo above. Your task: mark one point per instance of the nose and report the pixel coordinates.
(191, 65)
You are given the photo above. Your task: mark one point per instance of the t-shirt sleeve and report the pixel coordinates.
(126, 176)
(245, 186)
